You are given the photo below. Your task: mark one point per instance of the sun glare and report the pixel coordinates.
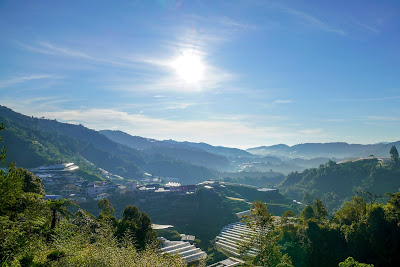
(189, 67)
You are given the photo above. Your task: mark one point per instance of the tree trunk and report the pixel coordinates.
(54, 219)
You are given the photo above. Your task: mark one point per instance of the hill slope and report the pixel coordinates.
(178, 151)
(32, 142)
(331, 150)
(335, 183)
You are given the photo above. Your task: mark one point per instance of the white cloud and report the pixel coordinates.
(382, 118)
(180, 106)
(280, 101)
(52, 49)
(313, 21)
(22, 79)
(234, 133)
(372, 99)
(316, 131)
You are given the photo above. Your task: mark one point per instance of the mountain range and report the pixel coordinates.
(34, 141)
(331, 150)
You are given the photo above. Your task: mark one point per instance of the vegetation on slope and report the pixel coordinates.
(335, 183)
(359, 231)
(35, 232)
(33, 142)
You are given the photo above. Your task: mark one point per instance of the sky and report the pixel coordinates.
(232, 73)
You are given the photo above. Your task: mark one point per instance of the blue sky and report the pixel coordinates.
(232, 73)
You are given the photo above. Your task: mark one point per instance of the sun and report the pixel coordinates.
(189, 67)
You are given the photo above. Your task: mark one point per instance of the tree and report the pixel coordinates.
(264, 238)
(350, 262)
(138, 225)
(393, 207)
(58, 206)
(307, 213)
(106, 207)
(352, 212)
(394, 154)
(320, 210)
(287, 215)
(3, 151)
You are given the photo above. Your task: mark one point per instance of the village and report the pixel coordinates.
(62, 181)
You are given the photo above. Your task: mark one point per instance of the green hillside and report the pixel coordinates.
(335, 183)
(32, 142)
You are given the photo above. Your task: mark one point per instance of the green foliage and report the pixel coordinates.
(366, 231)
(106, 207)
(264, 238)
(307, 213)
(58, 208)
(335, 183)
(320, 210)
(350, 262)
(394, 155)
(3, 151)
(138, 225)
(55, 255)
(260, 179)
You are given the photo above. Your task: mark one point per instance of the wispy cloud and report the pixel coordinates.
(313, 21)
(369, 28)
(213, 131)
(49, 48)
(371, 99)
(22, 79)
(166, 80)
(316, 131)
(158, 75)
(382, 118)
(36, 105)
(181, 106)
(280, 101)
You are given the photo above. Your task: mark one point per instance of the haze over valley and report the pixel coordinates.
(199, 133)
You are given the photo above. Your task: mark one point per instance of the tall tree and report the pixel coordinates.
(106, 207)
(58, 207)
(320, 210)
(138, 225)
(3, 149)
(264, 238)
(307, 213)
(394, 154)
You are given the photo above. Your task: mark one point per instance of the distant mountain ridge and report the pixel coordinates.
(330, 150)
(31, 142)
(180, 151)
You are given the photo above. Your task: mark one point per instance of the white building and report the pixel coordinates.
(130, 187)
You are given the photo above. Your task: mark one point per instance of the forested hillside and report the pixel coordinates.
(335, 183)
(178, 151)
(330, 150)
(33, 142)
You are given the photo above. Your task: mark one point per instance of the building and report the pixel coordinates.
(130, 187)
(101, 196)
(93, 190)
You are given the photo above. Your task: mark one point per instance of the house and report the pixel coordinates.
(101, 196)
(130, 187)
(93, 190)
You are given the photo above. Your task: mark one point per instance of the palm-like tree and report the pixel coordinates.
(58, 206)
